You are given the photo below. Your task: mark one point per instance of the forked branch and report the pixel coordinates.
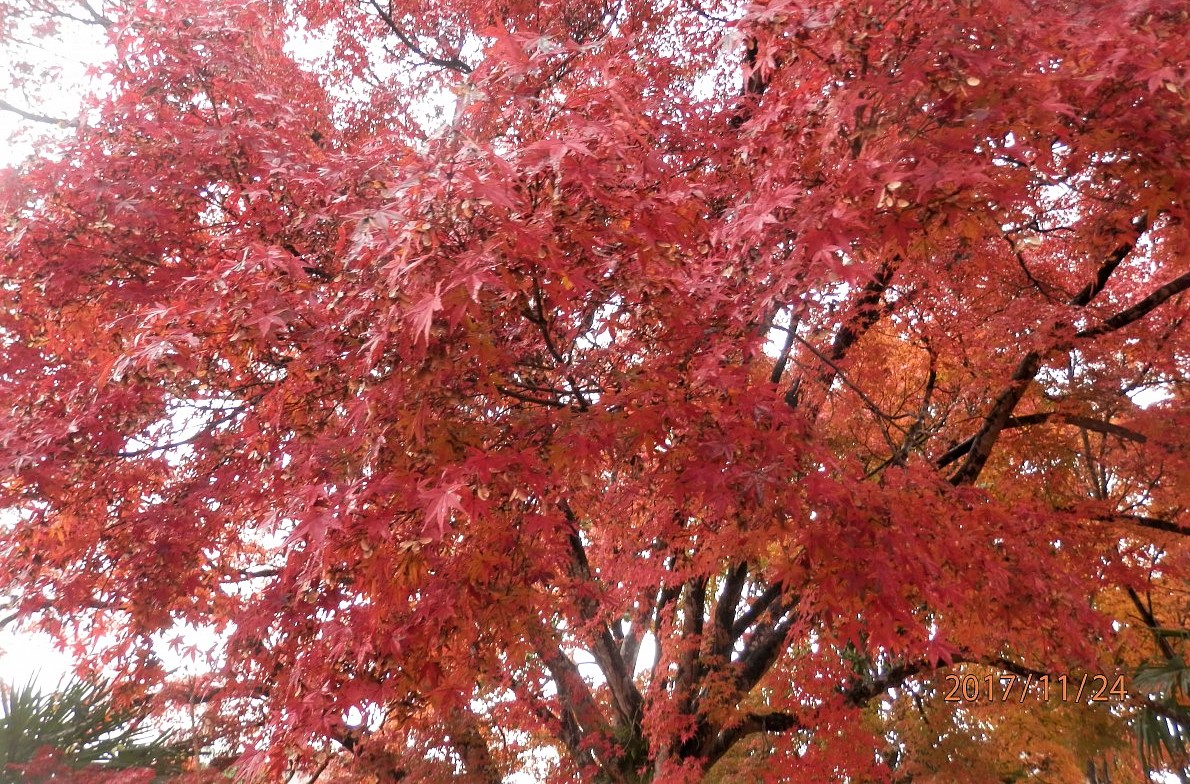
(454, 63)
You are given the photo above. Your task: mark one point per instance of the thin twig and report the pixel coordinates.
(847, 382)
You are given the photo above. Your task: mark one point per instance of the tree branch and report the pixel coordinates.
(551, 403)
(866, 310)
(783, 356)
(896, 676)
(755, 610)
(720, 640)
(61, 122)
(755, 82)
(694, 602)
(629, 702)
(576, 699)
(1099, 426)
(866, 314)
(833, 371)
(1092, 289)
(763, 649)
(1140, 309)
(1001, 412)
(983, 441)
(472, 748)
(666, 595)
(453, 63)
(1148, 522)
(564, 727)
(752, 723)
(96, 17)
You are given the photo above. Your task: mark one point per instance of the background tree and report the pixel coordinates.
(640, 391)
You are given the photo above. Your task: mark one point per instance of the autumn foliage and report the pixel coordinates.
(637, 391)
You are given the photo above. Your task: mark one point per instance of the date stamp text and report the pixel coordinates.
(1016, 688)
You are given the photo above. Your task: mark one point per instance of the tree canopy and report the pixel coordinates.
(626, 391)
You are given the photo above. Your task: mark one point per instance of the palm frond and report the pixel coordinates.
(1163, 725)
(81, 723)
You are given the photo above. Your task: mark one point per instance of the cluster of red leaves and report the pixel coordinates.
(50, 767)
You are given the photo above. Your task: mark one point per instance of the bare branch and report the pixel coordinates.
(10, 618)
(93, 17)
(96, 17)
(61, 122)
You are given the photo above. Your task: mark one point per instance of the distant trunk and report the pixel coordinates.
(1094, 776)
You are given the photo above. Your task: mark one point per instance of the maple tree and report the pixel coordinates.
(622, 391)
